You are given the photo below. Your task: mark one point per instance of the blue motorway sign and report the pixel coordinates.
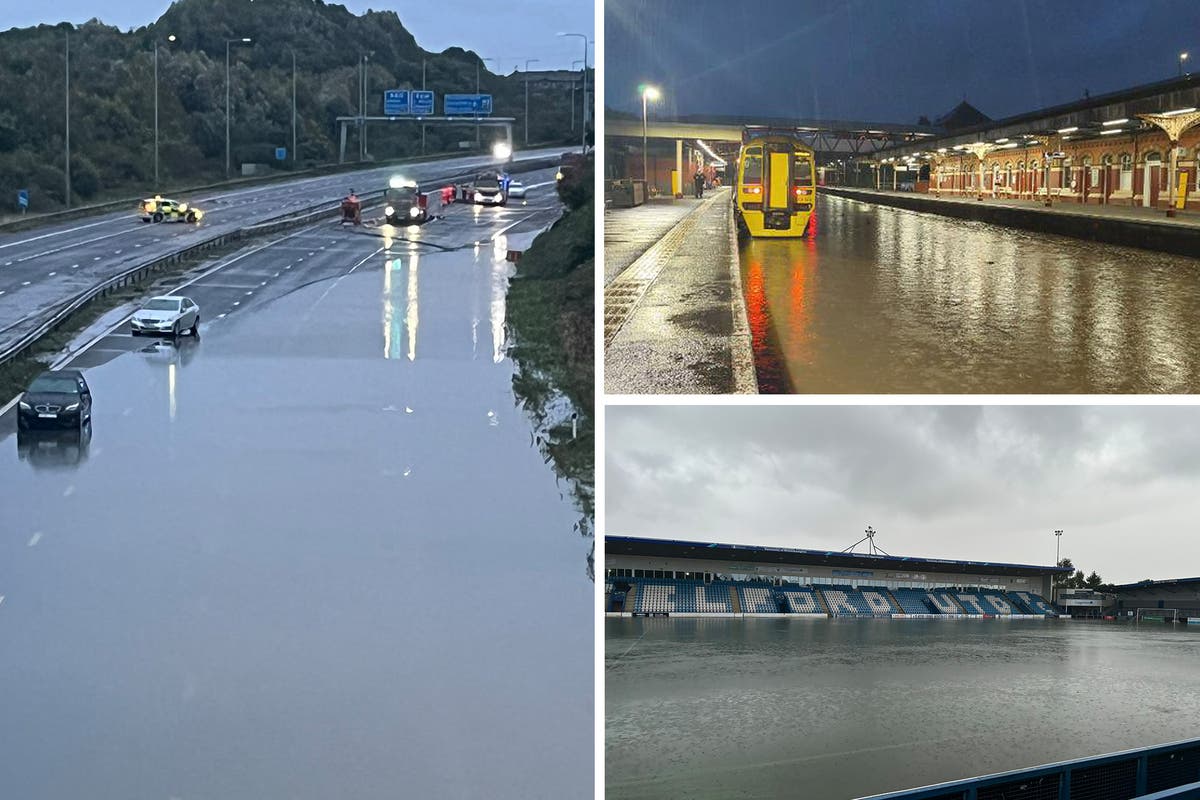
(467, 104)
(23, 198)
(395, 102)
(422, 103)
(281, 154)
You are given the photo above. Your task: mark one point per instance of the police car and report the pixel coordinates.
(161, 209)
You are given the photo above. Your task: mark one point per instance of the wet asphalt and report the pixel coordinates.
(314, 553)
(44, 267)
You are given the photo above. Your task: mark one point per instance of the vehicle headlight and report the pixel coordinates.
(478, 197)
(389, 211)
(24, 406)
(414, 211)
(501, 150)
(72, 407)
(183, 206)
(558, 176)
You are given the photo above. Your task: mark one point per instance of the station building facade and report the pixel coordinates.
(1129, 169)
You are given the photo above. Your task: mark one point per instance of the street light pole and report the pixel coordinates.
(68, 134)
(1182, 58)
(293, 109)
(228, 151)
(573, 63)
(529, 61)
(584, 116)
(475, 105)
(170, 38)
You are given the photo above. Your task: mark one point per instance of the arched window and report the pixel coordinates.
(1126, 172)
(1068, 174)
(1153, 155)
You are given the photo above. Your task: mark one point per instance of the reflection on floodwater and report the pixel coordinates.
(885, 300)
(54, 449)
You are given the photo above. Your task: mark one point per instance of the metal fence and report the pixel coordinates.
(1163, 771)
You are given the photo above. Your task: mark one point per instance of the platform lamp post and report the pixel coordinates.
(529, 61)
(1182, 58)
(1173, 124)
(1049, 143)
(648, 93)
(979, 150)
(170, 38)
(584, 116)
(228, 157)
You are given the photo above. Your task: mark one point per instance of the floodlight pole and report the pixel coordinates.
(1057, 562)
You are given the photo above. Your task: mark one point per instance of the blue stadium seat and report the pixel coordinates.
(846, 601)
(757, 598)
(658, 596)
(801, 600)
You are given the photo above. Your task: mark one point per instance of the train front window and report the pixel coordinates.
(803, 172)
(752, 169)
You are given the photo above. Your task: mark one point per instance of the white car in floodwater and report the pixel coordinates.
(171, 315)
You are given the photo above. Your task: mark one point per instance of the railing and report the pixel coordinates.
(1164, 771)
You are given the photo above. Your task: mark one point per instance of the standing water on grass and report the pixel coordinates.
(716, 708)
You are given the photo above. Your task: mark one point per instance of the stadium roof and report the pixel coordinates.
(673, 548)
(1161, 584)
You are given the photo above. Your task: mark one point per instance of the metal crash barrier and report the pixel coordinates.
(1151, 773)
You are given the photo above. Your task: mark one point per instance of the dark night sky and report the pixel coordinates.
(887, 60)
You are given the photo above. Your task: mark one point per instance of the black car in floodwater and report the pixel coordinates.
(58, 400)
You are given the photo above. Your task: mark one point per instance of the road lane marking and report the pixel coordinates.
(1, 599)
(52, 274)
(97, 258)
(68, 230)
(68, 357)
(70, 490)
(26, 283)
(33, 540)
(74, 266)
(237, 303)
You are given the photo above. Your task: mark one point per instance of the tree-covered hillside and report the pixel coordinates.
(112, 96)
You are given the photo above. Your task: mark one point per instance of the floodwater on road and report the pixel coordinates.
(836, 709)
(884, 300)
(314, 554)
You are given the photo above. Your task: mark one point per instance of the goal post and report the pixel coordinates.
(1157, 615)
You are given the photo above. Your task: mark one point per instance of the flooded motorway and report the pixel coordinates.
(316, 553)
(885, 300)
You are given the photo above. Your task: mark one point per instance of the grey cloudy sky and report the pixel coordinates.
(970, 482)
(510, 32)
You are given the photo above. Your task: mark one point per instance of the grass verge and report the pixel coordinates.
(551, 316)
